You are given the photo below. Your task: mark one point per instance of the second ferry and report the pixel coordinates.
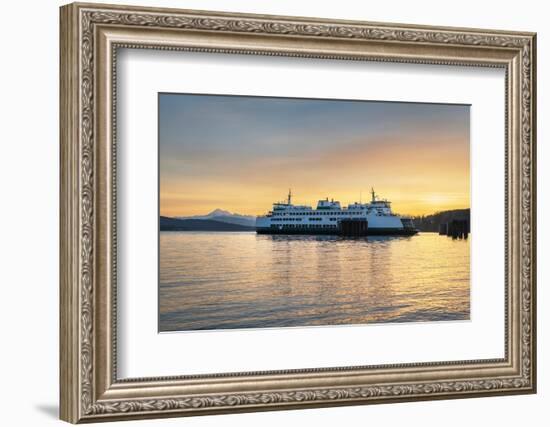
(357, 219)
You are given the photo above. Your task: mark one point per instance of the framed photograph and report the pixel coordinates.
(266, 212)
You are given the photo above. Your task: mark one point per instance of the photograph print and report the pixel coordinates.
(289, 212)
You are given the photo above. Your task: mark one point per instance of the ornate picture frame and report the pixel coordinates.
(90, 37)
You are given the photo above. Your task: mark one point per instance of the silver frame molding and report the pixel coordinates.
(90, 37)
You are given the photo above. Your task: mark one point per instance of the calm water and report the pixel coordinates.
(221, 280)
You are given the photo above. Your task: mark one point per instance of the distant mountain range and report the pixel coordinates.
(431, 222)
(177, 224)
(225, 216)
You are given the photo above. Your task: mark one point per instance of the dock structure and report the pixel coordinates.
(457, 229)
(353, 227)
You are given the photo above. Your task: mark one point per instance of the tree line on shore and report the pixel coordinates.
(432, 222)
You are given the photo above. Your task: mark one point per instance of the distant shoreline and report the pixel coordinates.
(207, 231)
(176, 224)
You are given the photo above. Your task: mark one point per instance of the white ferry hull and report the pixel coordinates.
(332, 232)
(375, 226)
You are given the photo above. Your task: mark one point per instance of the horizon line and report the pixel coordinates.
(256, 215)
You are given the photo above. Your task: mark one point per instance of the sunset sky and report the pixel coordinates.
(241, 154)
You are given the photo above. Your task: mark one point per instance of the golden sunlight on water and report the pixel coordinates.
(213, 280)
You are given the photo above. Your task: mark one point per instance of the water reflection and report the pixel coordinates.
(243, 280)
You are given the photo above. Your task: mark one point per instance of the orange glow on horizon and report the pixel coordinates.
(174, 204)
(416, 181)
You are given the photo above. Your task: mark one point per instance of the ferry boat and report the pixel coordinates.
(357, 219)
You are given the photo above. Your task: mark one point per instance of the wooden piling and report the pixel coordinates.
(457, 229)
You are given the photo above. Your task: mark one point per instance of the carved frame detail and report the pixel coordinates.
(81, 399)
